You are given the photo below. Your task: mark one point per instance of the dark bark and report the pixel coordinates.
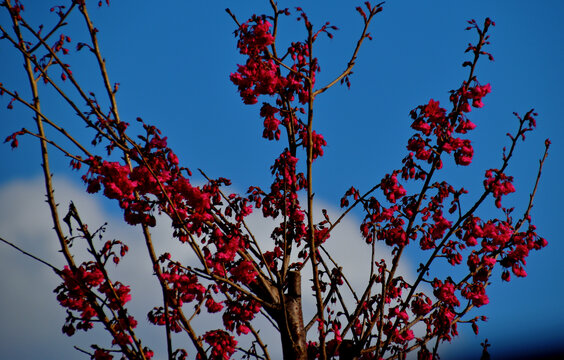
(290, 320)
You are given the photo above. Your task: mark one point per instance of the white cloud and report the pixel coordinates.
(33, 319)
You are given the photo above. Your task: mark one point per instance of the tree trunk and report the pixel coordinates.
(290, 320)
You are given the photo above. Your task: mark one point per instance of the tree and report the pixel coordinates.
(242, 277)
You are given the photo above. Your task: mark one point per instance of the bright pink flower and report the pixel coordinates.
(213, 306)
(244, 272)
(445, 292)
(433, 110)
(519, 271)
(222, 344)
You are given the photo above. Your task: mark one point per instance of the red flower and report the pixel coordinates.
(445, 292)
(213, 306)
(244, 272)
(422, 305)
(222, 344)
(433, 110)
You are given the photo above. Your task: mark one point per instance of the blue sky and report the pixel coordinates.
(173, 63)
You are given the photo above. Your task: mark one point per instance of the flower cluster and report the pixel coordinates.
(185, 287)
(239, 313)
(155, 182)
(283, 198)
(222, 344)
(445, 292)
(77, 293)
(73, 294)
(262, 75)
(421, 305)
(157, 316)
(499, 184)
(391, 188)
(259, 76)
(317, 141)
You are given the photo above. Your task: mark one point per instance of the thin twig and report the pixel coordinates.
(57, 271)
(351, 62)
